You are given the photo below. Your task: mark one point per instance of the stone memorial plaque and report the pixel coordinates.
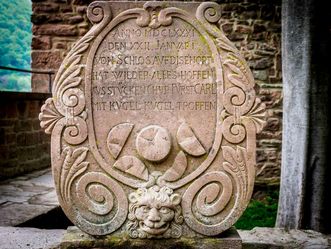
(153, 122)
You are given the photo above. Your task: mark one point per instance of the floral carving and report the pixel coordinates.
(154, 213)
(236, 163)
(66, 108)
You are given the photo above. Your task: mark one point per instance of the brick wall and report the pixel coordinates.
(24, 146)
(255, 27)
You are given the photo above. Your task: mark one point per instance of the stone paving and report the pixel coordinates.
(26, 197)
(29, 238)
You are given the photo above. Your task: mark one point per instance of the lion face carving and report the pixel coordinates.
(154, 212)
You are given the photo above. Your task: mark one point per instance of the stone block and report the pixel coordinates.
(17, 213)
(75, 19)
(248, 15)
(273, 124)
(272, 98)
(4, 155)
(8, 165)
(27, 237)
(10, 138)
(237, 37)
(7, 123)
(55, 19)
(2, 136)
(33, 109)
(76, 239)
(268, 170)
(37, 19)
(65, 8)
(81, 9)
(232, 7)
(12, 153)
(257, 28)
(261, 75)
(267, 12)
(44, 7)
(40, 83)
(81, 2)
(31, 138)
(261, 156)
(82, 31)
(22, 126)
(46, 60)
(35, 125)
(55, 30)
(243, 29)
(21, 139)
(262, 63)
(227, 27)
(10, 110)
(41, 42)
(22, 107)
(258, 36)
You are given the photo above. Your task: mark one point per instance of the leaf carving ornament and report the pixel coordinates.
(49, 116)
(74, 164)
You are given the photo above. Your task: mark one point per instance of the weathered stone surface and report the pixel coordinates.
(41, 42)
(14, 214)
(44, 7)
(153, 120)
(74, 239)
(262, 237)
(45, 59)
(52, 29)
(26, 197)
(258, 238)
(28, 238)
(305, 199)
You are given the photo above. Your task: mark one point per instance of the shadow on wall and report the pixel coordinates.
(24, 146)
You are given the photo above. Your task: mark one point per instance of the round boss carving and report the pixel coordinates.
(153, 143)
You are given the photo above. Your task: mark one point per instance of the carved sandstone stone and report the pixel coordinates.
(155, 212)
(153, 122)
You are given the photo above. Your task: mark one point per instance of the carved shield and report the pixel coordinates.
(153, 122)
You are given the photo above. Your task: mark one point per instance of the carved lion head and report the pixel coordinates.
(154, 212)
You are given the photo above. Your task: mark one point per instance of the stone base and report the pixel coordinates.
(76, 239)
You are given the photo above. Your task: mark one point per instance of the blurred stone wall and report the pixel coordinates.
(253, 25)
(24, 146)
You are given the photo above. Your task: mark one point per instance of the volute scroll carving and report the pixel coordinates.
(153, 120)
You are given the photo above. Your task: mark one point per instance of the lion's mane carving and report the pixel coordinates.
(155, 213)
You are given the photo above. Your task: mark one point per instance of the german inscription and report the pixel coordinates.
(153, 121)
